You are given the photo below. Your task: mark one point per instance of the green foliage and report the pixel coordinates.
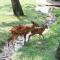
(37, 48)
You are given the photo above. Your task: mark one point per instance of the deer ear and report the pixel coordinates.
(46, 26)
(32, 22)
(35, 23)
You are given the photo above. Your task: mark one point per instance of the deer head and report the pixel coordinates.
(34, 24)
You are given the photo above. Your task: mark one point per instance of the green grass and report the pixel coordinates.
(37, 48)
(45, 50)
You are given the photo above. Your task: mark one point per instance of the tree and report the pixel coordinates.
(17, 9)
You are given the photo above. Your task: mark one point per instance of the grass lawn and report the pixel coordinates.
(37, 48)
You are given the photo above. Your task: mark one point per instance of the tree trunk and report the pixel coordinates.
(17, 9)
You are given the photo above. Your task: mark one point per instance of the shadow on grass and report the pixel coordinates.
(15, 23)
(23, 21)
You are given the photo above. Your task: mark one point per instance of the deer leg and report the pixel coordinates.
(12, 42)
(39, 36)
(30, 36)
(27, 36)
(14, 38)
(42, 36)
(9, 39)
(24, 39)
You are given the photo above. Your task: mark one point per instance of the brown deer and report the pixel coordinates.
(38, 30)
(21, 30)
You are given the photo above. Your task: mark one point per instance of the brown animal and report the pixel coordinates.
(20, 30)
(38, 30)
